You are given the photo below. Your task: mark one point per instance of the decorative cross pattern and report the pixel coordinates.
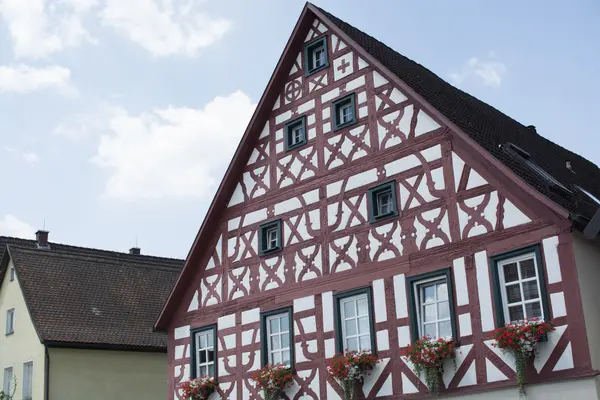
(308, 263)
(296, 167)
(342, 67)
(302, 227)
(478, 215)
(239, 282)
(346, 147)
(211, 288)
(384, 242)
(432, 228)
(348, 212)
(243, 246)
(317, 81)
(272, 273)
(260, 152)
(293, 90)
(343, 254)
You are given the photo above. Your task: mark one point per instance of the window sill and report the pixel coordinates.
(266, 253)
(296, 146)
(345, 125)
(315, 70)
(9, 333)
(378, 218)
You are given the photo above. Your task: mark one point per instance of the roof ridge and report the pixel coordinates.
(130, 263)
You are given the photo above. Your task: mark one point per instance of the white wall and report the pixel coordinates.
(587, 258)
(23, 345)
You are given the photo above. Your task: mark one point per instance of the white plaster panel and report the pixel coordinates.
(316, 264)
(449, 369)
(475, 180)
(513, 216)
(379, 300)
(250, 316)
(247, 337)
(432, 153)
(400, 296)
(255, 216)
(326, 112)
(483, 290)
(179, 352)
(309, 105)
(545, 349)
(457, 167)
(194, 303)
(378, 80)
(287, 206)
(283, 117)
(237, 197)
(351, 252)
(333, 189)
(464, 321)
(371, 378)
(425, 124)
(470, 377)
(327, 304)
(233, 223)
(309, 324)
(383, 340)
(363, 112)
(559, 308)
(209, 298)
(551, 260)
(332, 94)
(493, 373)
(394, 239)
(506, 357)
(326, 127)
(304, 303)
(362, 97)
(355, 83)
(279, 272)
(403, 336)
(407, 385)
(226, 321)
(230, 341)
(565, 361)
(387, 388)
(265, 131)
(329, 348)
(310, 120)
(401, 165)
(244, 272)
(339, 71)
(277, 104)
(361, 179)
(362, 63)
(460, 281)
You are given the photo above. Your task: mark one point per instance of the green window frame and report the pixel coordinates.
(415, 285)
(375, 194)
(339, 300)
(194, 351)
(337, 105)
(265, 246)
(289, 133)
(309, 51)
(500, 293)
(266, 334)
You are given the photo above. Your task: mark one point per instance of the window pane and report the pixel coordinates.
(534, 310)
(515, 313)
(429, 294)
(443, 310)
(363, 325)
(352, 344)
(210, 342)
(445, 329)
(530, 290)
(202, 341)
(430, 314)
(527, 269)
(285, 340)
(202, 357)
(286, 357)
(513, 293)
(274, 325)
(429, 330)
(276, 358)
(442, 291)
(351, 327)
(365, 342)
(275, 344)
(349, 309)
(203, 371)
(284, 323)
(211, 370)
(362, 307)
(510, 272)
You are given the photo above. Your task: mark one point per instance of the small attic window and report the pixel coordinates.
(315, 55)
(525, 157)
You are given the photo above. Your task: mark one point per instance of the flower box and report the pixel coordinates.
(428, 356)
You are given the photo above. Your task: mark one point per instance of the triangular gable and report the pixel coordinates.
(249, 176)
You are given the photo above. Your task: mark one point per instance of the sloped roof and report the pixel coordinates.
(491, 128)
(92, 298)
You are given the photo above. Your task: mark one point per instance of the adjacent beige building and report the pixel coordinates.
(78, 323)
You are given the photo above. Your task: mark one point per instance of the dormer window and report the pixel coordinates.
(270, 237)
(344, 112)
(295, 133)
(315, 55)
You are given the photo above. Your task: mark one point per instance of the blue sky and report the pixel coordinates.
(117, 119)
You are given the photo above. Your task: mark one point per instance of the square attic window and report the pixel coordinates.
(295, 133)
(315, 55)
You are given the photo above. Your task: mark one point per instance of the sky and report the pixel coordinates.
(119, 118)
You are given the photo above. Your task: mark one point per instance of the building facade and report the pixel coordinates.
(357, 214)
(78, 322)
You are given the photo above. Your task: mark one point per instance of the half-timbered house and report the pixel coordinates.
(368, 190)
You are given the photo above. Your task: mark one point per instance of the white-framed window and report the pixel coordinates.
(272, 234)
(279, 339)
(11, 275)
(355, 321)
(384, 202)
(520, 288)
(319, 56)
(346, 113)
(8, 382)
(27, 381)
(432, 306)
(205, 357)
(297, 135)
(270, 237)
(10, 321)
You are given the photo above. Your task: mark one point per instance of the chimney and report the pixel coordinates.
(42, 239)
(136, 251)
(532, 127)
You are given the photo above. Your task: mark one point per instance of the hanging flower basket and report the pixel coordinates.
(199, 388)
(521, 339)
(428, 356)
(350, 368)
(273, 380)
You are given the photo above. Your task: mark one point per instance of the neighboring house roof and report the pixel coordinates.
(483, 124)
(491, 128)
(92, 298)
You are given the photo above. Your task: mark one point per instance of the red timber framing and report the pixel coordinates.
(457, 207)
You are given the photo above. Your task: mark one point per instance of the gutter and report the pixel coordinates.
(46, 373)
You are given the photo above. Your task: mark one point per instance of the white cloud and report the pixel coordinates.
(28, 157)
(172, 152)
(164, 27)
(41, 27)
(23, 78)
(83, 126)
(12, 226)
(486, 72)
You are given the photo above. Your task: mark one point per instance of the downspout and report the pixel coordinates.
(46, 373)
(593, 227)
